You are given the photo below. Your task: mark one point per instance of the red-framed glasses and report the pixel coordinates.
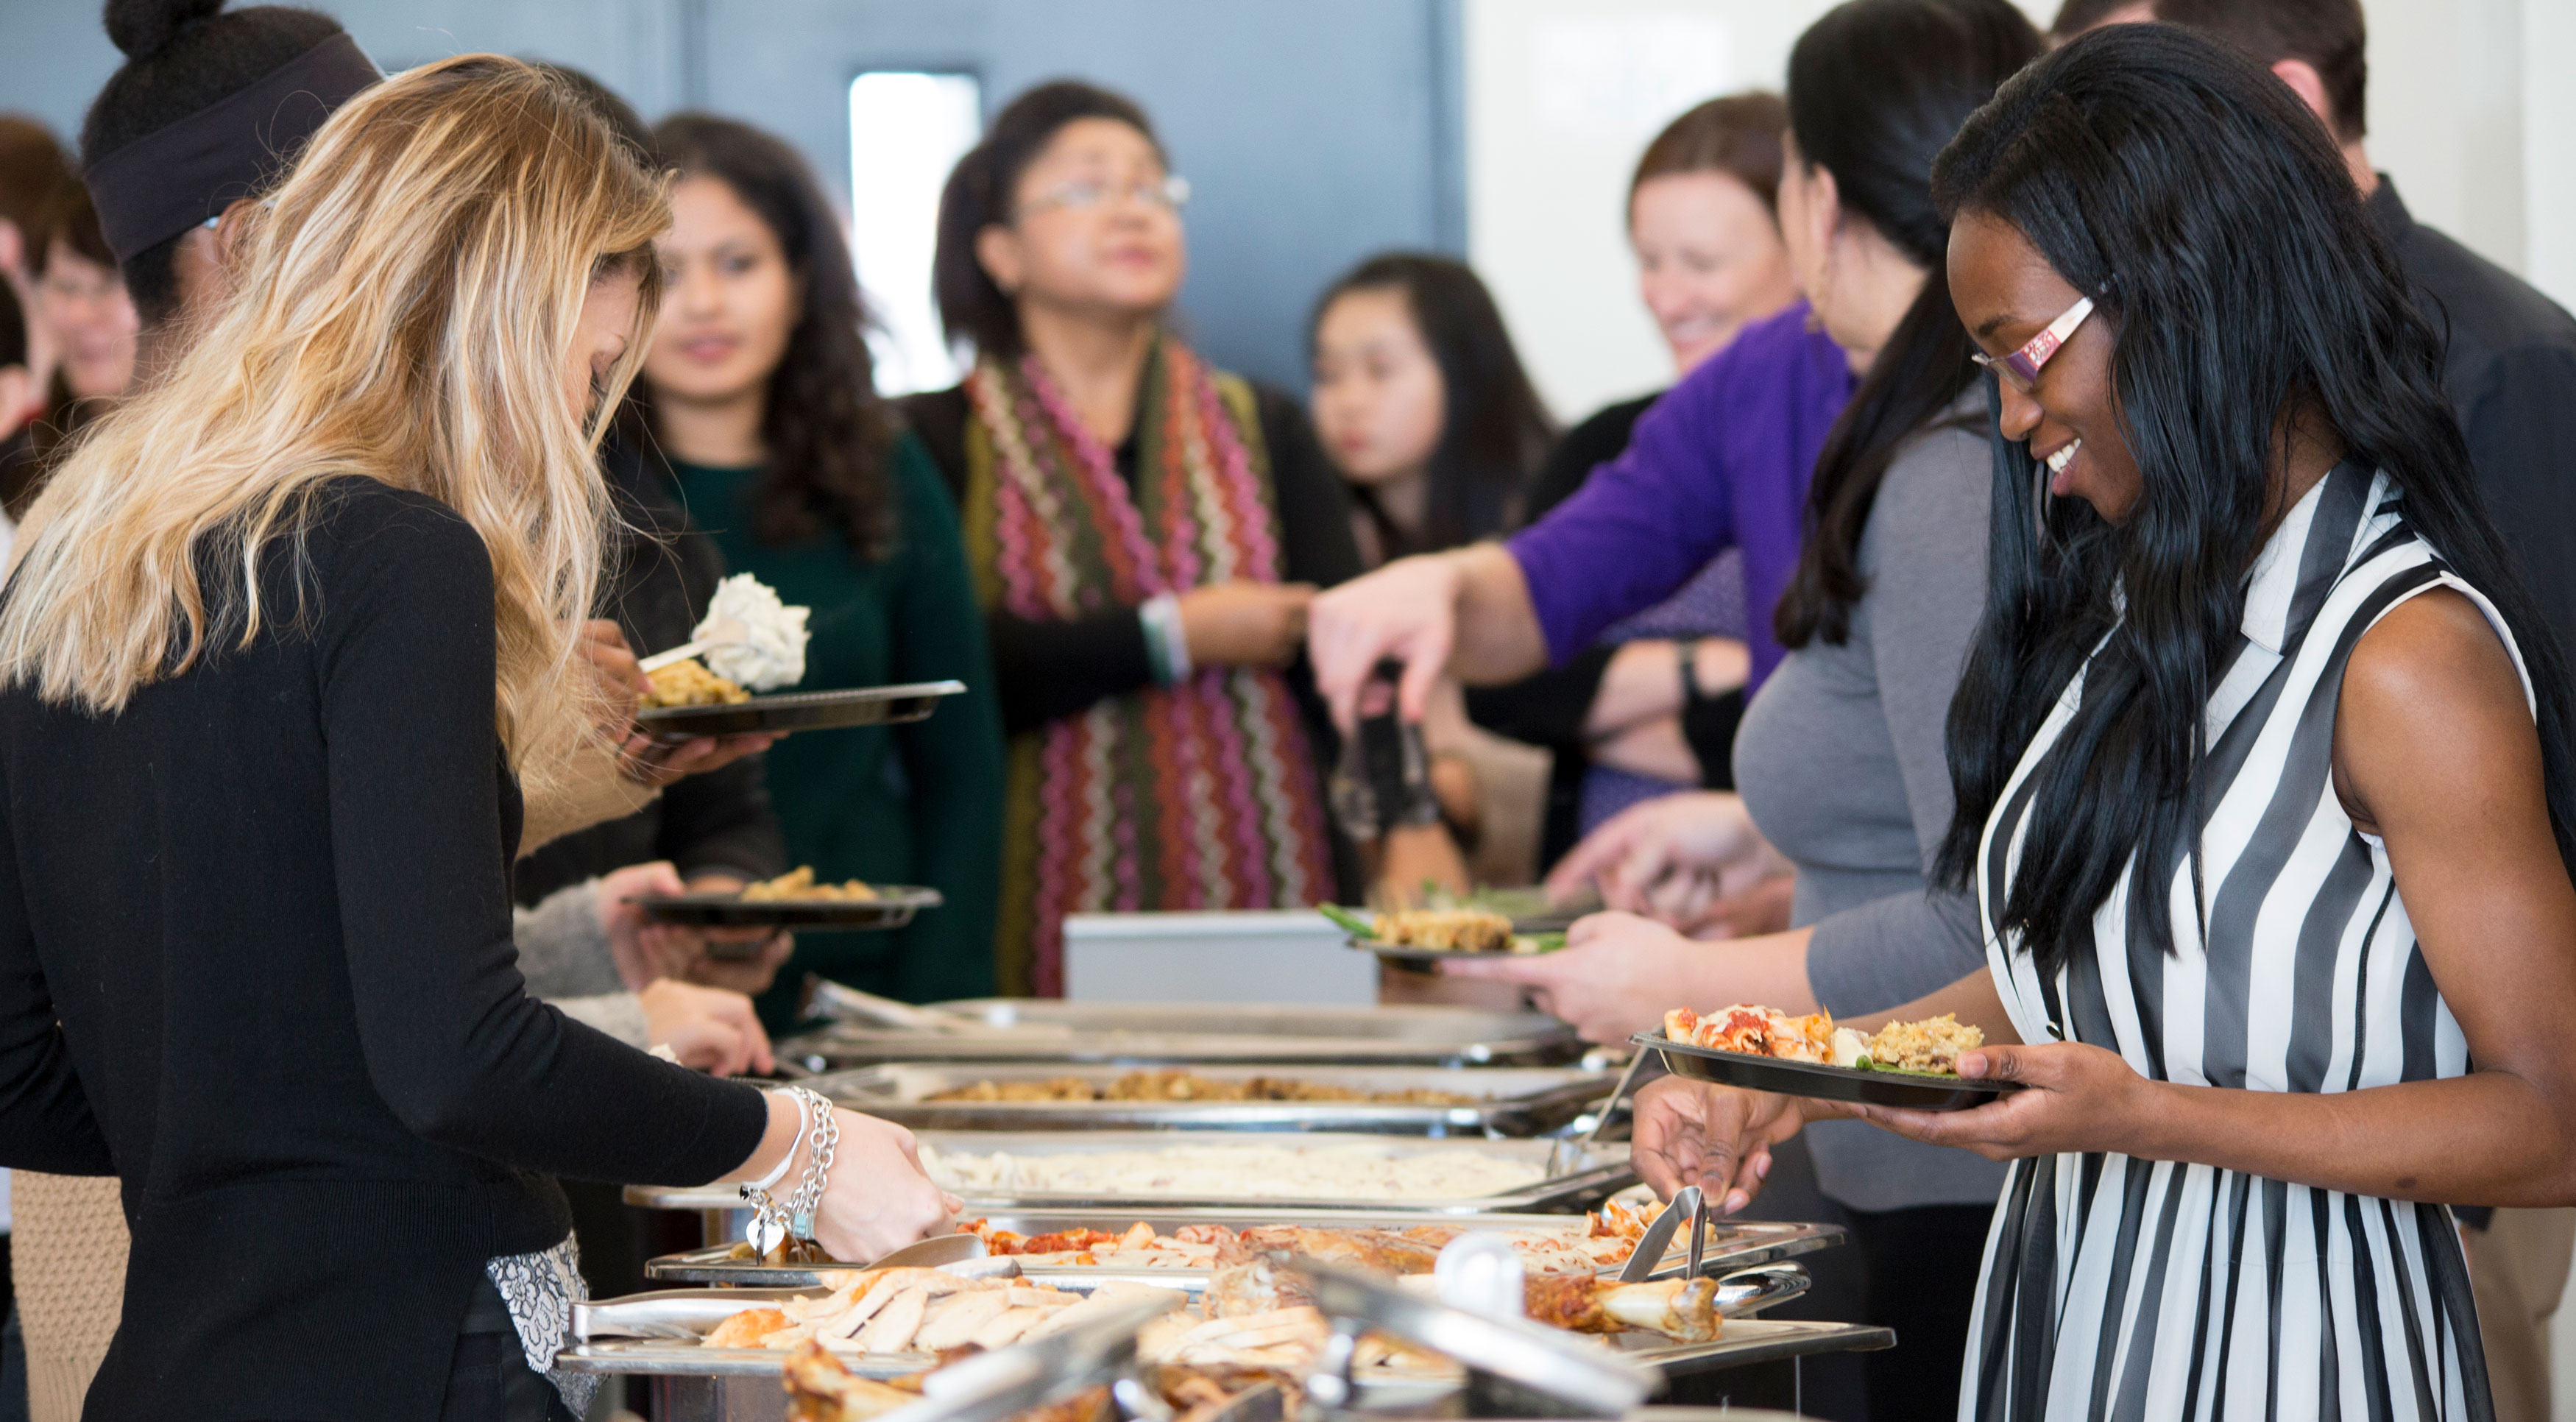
(2021, 367)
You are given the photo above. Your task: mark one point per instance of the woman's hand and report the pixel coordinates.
(1616, 974)
(1245, 624)
(707, 1028)
(878, 1199)
(686, 953)
(1407, 610)
(621, 680)
(1673, 858)
(1716, 1137)
(2075, 1098)
(634, 941)
(651, 760)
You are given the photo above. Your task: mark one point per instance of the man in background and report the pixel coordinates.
(2510, 368)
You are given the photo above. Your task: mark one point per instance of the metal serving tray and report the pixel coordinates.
(1732, 1245)
(802, 710)
(1183, 1033)
(1577, 1176)
(893, 907)
(658, 1333)
(1515, 1101)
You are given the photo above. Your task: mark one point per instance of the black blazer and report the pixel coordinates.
(255, 958)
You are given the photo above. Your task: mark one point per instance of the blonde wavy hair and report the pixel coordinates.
(404, 309)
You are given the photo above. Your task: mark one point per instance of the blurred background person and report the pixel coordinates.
(1652, 706)
(89, 323)
(33, 166)
(2509, 367)
(1422, 403)
(1146, 533)
(758, 412)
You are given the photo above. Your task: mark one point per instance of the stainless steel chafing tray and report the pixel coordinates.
(657, 1334)
(1507, 1101)
(1732, 1245)
(1519, 1368)
(1576, 1176)
(1182, 1033)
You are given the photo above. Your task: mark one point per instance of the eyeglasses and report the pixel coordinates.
(2021, 367)
(1169, 193)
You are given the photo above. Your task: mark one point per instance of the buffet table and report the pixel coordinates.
(1159, 1156)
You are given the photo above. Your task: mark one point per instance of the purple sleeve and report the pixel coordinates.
(1639, 527)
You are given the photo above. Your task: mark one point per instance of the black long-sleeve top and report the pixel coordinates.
(661, 572)
(268, 904)
(1047, 670)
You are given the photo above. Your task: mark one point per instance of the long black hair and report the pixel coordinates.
(1876, 87)
(1495, 429)
(972, 306)
(828, 434)
(2227, 250)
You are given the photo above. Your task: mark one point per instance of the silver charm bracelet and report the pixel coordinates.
(773, 1221)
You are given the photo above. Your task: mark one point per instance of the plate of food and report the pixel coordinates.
(794, 900)
(1907, 1064)
(751, 643)
(728, 710)
(1419, 936)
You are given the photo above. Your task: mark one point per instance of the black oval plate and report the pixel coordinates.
(802, 711)
(1406, 953)
(893, 907)
(1824, 1083)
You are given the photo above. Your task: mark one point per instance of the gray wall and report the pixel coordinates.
(1313, 131)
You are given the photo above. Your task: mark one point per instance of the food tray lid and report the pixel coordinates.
(1598, 1381)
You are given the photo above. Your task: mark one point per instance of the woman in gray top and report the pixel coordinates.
(1840, 758)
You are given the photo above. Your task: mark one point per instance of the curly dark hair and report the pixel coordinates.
(828, 433)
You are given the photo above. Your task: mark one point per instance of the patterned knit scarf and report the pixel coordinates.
(1203, 795)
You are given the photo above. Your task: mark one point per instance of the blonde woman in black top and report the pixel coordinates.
(291, 633)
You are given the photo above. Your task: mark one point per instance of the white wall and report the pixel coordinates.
(2469, 111)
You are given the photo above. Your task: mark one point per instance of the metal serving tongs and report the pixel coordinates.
(1563, 1149)
(1515, 1368)
(999, 1384)
(825, 998)
(1658, 1238)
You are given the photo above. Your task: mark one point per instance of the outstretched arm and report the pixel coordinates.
(2435, 751)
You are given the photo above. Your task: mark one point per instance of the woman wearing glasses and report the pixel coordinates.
(2262, 782)
(1145, 532)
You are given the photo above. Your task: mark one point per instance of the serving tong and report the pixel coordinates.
(825, 998)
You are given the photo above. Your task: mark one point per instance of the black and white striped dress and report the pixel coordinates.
(2120, 1288)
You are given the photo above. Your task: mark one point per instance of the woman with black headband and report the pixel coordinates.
(322, 580)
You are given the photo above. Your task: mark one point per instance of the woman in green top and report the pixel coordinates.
(759, 406)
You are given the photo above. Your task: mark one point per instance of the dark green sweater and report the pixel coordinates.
(917, 804)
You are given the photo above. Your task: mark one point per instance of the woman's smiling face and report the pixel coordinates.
(2007, 293)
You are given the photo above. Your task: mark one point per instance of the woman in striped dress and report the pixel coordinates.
(2250, 639)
